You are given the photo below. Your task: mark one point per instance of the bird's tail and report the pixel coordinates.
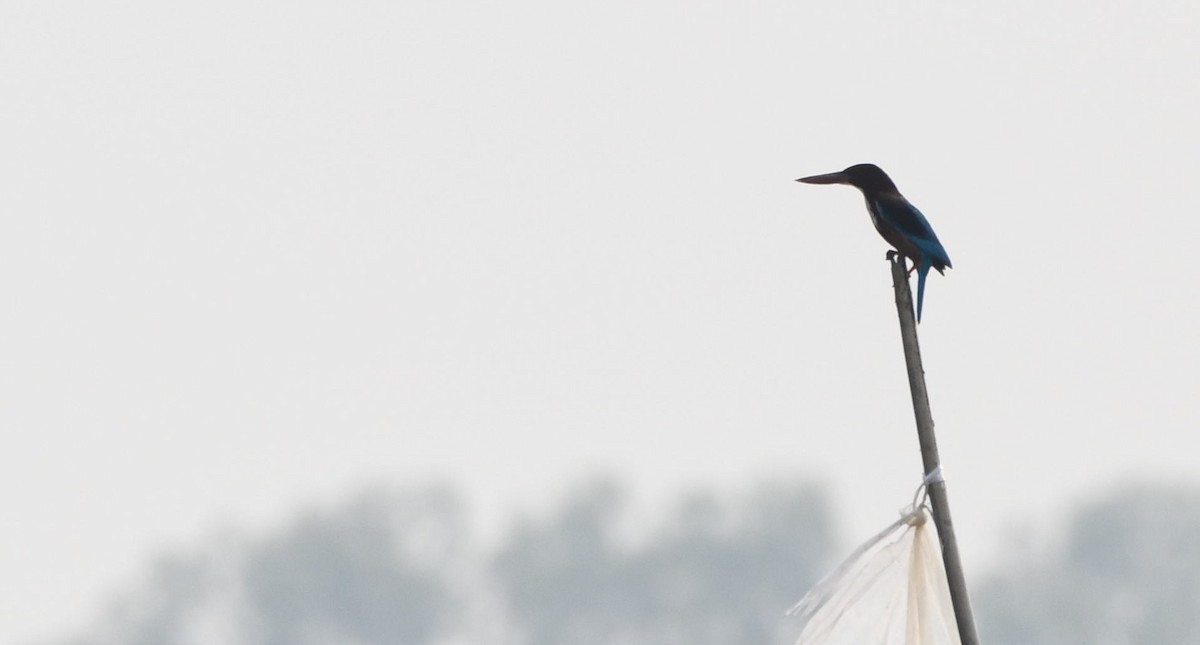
(922, 273)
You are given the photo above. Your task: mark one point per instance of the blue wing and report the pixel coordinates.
(902, 216)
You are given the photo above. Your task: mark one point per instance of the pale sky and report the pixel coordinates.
(258, 257)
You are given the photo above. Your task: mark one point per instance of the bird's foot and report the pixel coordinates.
(893, 255)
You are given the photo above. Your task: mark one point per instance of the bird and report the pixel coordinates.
(898, 221)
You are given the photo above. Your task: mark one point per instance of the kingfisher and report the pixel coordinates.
(899, 222)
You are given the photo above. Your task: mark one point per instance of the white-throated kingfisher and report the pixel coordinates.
(899, 222)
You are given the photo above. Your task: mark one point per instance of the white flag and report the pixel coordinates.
(891, 591)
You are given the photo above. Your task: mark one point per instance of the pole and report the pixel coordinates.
(939, 504)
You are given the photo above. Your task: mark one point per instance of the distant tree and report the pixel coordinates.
(1128, 572)
(377, 570)
(166, 609)
(370, 573)
(714, 572)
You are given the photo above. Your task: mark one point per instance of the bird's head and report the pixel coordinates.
(866, 177)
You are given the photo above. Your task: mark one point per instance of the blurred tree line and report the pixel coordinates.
(402, 569)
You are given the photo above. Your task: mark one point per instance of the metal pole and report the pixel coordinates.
(939, 505)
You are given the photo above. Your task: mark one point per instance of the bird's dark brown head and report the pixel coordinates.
(866, 177)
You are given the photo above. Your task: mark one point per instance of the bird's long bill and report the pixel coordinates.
(831, 178)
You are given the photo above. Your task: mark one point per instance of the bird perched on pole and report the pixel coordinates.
(899, 222)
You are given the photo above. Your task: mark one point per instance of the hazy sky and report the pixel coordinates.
(255, 257)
